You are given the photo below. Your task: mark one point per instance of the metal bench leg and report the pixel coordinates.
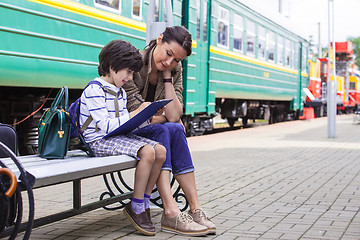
(116, 185)
(77, 194)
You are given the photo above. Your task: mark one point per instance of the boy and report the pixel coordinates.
(117, 62)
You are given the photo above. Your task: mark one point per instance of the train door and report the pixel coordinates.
(196, 90)
(303, 79)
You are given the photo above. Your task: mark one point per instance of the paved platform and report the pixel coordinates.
(281, 181)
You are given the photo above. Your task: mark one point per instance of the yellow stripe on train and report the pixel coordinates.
(248, 59)
(87, 11)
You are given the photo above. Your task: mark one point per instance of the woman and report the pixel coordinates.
(161, 78)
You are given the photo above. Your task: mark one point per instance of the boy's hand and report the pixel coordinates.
(139, 109)
(143, 105)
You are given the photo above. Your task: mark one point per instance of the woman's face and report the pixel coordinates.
(167, 55)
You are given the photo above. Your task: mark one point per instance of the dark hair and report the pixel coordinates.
(117, 55)
(177, 34)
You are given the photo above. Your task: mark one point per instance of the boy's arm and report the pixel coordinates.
(139, 109)
(96, 104)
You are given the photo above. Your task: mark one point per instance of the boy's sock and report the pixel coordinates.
(146, 200)
(137, 205)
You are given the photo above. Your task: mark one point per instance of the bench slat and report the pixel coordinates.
(77, 165)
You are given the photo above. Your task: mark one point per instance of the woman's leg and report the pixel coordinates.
(183, 169)
(182, 164)
(188, 185)
(163, 185)
(173, 220)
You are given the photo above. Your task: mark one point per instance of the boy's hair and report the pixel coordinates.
(117, 55)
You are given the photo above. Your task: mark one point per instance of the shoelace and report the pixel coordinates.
(184, 217)
(202, 213)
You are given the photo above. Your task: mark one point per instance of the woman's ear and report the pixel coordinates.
(159, 39)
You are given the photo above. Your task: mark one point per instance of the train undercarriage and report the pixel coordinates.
(233, 109)
(273, 111)
(23, 107)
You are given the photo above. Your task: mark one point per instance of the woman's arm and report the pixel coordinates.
(173, 90)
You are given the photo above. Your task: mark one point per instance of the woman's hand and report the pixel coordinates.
(158, 119)
(159, 116)
(167, 74)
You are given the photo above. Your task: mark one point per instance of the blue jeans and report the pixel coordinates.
(172, 137)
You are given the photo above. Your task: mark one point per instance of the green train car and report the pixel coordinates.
(245, 64)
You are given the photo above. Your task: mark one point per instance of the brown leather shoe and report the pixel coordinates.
(182, 224)
(201, 218)
(140, 221)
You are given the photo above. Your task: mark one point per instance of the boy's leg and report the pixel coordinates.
(160, 155)
(143, 169)
(158, 133)
(135, 210)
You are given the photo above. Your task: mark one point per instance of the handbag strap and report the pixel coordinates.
(61, 99)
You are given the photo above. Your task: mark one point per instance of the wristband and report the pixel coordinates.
(169, 80)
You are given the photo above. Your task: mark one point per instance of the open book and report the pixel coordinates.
(139, 118)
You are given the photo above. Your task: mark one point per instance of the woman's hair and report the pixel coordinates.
(177, 34)
(117, 55)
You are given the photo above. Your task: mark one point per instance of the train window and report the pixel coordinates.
(293, 45)
(198, 19)
(262, 43)
(223, 27)
(156, 12)
(108, 4)
(296, 56)
(280, 50)
(238, 32)
(304, 58)
(352, 85)
(205, 20)
(287, 53)
(137, 9)
(271, 45)
(250, 37)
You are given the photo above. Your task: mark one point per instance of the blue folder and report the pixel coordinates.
(139, 118)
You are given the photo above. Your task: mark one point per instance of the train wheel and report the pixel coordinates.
(188, 127)
(273, 117)
(245, 121)
(231, 121)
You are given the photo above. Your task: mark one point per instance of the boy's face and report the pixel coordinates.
(167, 55)
(120, 77)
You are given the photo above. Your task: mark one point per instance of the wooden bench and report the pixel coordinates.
(75, 167)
